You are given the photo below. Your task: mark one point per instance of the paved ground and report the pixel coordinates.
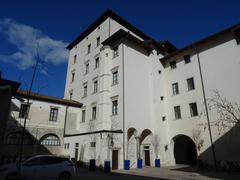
(179, 172)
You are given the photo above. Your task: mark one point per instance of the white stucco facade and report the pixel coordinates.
(145, 123)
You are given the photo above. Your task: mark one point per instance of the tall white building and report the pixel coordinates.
(144, 99)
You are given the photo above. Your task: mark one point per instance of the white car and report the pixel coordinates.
(41, 167)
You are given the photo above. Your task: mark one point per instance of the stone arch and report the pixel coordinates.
(50, 140)
(131, 131)
(144, 134)
(184, 150)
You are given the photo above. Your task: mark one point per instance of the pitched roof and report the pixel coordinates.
(46, 98)
(124, 34)
(102, 18)
(233, 30)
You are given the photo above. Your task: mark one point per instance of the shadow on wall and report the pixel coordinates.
(12, 140)
(227, 149)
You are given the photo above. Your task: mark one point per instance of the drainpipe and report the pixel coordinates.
(207, 114)
(124, 153)
(65, 121)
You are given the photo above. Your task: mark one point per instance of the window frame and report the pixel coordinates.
(177, 112)
(115, 107)
(94, 112)
(115, 77)
(175, 89)
(190, 84)
(193, 109)
(52, 116)
(24, 111)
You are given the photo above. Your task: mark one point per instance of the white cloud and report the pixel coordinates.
(26, 39)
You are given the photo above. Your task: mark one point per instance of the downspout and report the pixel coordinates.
(124, 153)
(65, 122)
(207, 114)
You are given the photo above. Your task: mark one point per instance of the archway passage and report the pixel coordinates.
(184, 150)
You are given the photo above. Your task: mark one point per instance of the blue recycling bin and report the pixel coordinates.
(126, 164)
(139, 163)
(107, 166)
(157, 163)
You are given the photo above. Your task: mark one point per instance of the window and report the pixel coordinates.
(66, 146)
(50, 140)
(177, 112)
(115, 107)
(173, 64)
(89, 48)
(115, 77)
(98, 41)
(83, 115)
(15, 138)
(93, 144)
(53, 114)
(76, 145)
(162, 98)
(190, 83)
(193, 109)
(86, 68)
(187, 59)
(94, 113)
(24, 110)
(95, 86)
(70, 94)
(73, 76)
(97, 63)
(115, 51)
(175, 88)
(74, 59)
(164, 118)
(84, 90)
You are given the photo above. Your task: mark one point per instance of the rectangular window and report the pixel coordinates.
(76, 145)
(24, 110)
(187, 59)
(177, 112)
(70, 94)
(175, 88)
(85, 91)
(173, 64)
(115, 107)
(190, 83)
(115, 77)
(115, 51)
(73, 76)
(95, 86)
(74, 59)
(94, 113)
(89, 48)
(97, 63)
(98, 41)
(53, 114)
(86, 68)
(93, 144)
(83, 115)
(193, 109)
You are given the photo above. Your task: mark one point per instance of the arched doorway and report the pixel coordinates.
(184, 150)
(146, 143)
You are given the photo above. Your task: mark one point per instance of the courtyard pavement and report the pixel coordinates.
(179, 172)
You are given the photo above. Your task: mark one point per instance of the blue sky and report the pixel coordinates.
(56, 23)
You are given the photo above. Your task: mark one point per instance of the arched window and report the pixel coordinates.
(15, 138)
(50, 140)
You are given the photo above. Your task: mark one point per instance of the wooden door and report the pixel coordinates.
(115, 159)
(147, 157)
